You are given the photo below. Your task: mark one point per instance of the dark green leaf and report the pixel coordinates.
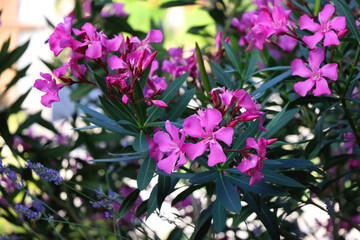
(281, 179)
(272, 124)
(141, 106)
(184, 194)
(20, 74)
(128, 202)
(81, 91)
(164, 187)
(343, 9)
(121, 159)
(204, 177)
(260, 187)
(244, 214)
(152, 201)
(232, 55)
(287, 163)
(9, 59)
(227, 194)
(141, 143)
(263, 212)
(203, 74)
(177, 3)
(203, 224)
(181, 105)
(114, 127)
(223, 77)
(219, 216)
(251, 64)
(261, 90)
(146, 172)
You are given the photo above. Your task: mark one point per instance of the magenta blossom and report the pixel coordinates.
(253, 164)
(49, 86)
(202, 126)
(172, 145)
(324, 28)
(315, 75)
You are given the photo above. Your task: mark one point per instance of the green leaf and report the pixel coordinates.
(114, 127)
(260, 187)
(20, 74)
(184, 194)
(219, 216)
(343, 10)
(164, 186)
(5, 48)
(203, 224)
(16, 106)
(272, 69)
(244, 214)
(281, 179)
(152, 201)
(261, 90)
(181, 105)
(251, 64)
(272, 124)
(146, 172)
(141, 143)
(227, 194)
(287, 163)
(177, 3)
(223, 77)
(81, 91)
(95, 114)
(128, 202)
(279, 123)
(121, 159)
(232, 55)
(9, 59)
(141, 106)
(263, 212)
(203, 75)
(204, 177)
(167, 95)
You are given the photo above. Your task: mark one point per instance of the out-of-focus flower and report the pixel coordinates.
(50, 87)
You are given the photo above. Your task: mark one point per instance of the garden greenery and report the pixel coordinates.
(207, 130)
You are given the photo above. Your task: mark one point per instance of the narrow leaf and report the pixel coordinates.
(141, 143)
(227, 194)
(232, 55)
(146, 172)
(261, 90)
(204, 177)
(203, 75)
(128, 202)
(219, 216)
(181, 105)
(281, 179)
(343, 9)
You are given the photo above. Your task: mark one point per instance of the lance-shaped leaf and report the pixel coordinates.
(204, 177)
(164, 187)
(203, 75)
(261, 90)
(278, 178)
(263, 212)
(287, 163)
(146, 172)
(128, 202)
(223, 77)
(141, 143)
(343, 9)
(203, 224)
(232, 55)
(227, 194)
(181, 105)
(219, 216)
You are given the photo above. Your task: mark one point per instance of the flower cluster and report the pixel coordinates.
(106, 201)
(21, 209)
(48, 174)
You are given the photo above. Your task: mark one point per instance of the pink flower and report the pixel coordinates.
(315, 75)
(202, 126)
(324, 28)
(113, 9)
(50, 87)
(173, 146)
(254, 163)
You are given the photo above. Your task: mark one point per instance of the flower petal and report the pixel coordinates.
(322, 87)
(225, 134)
(216, 155)
(316, 57)
(211, 119)
(299, 68)
(256, 176)
(167, 164)
(182, 161)
(154, 36)
(248, 164)
(193, 128)
(303, 87)
(115, 62)
(164, 141)
(326, 13)
(311, 41)
(94, 50)
(331, 39)
(193, 150)
(338, 23)
(172, 130)
(330, 71)
(305, 22)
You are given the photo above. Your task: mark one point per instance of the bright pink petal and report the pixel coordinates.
(182, 161)
(338, 23)
(330, 71)
(316, 57)
(326, 13)
(303, 87)
(193, 150)
(321, 87)
(305, 22)
(154, 150)
(155, 36)
(299, 68)
(331, 39)
(193, 128)
(211, 119)
(167, 164)
(256, 176)
(164, 141)
(251, 143)
(115, 63)
(216, 155)
(248, 164)
(172, 130)
(94, 50)
(160, 103)
(311, 41)
(225, 134)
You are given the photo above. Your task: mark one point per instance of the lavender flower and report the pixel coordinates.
(105, 201)
(330, 207)
(48, 174)
(21, 209)
(8, 172)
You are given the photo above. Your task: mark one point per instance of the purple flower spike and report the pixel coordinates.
(48, 174)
